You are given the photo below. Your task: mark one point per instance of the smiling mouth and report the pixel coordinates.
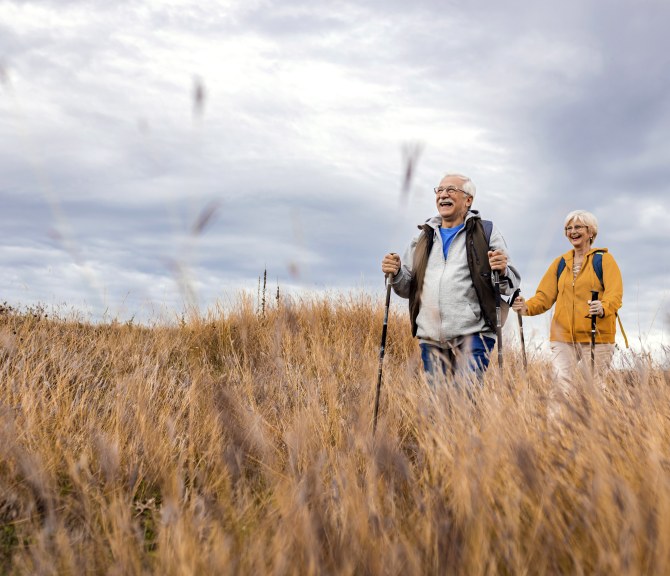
(446, 203)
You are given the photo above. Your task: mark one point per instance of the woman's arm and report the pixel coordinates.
(546, 293)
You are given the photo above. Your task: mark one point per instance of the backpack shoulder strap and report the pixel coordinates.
(561, 267)
(487, 225)
(422, 251)
(429, 234)
(598, 266)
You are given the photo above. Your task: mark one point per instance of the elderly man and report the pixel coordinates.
(446, 274)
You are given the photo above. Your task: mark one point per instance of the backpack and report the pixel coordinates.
(597, 262)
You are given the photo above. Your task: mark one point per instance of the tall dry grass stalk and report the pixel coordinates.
(240, 443)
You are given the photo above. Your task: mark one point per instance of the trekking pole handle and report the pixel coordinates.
(594, 296)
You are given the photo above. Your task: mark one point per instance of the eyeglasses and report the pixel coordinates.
(576, 228)
(449, 190)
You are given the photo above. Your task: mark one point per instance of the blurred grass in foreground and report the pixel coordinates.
(241, 443)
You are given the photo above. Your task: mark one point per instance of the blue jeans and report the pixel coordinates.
(471, 356)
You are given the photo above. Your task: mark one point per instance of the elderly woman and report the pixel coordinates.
(569, 282)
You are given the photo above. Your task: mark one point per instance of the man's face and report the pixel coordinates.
(452, 205)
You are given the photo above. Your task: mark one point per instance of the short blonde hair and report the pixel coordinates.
(585, 218)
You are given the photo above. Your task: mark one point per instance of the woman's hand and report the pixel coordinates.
(520, 306)
(596, 307)
(391, 264)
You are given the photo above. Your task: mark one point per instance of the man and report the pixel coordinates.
(446, 274)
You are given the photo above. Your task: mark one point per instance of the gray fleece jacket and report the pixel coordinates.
(449, 305)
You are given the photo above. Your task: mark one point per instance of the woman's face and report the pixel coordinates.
(578, 234)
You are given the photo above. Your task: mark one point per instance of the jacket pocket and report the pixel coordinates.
(476, 314)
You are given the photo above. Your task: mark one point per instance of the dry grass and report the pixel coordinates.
(241, 444)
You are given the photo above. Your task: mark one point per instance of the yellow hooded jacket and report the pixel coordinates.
(571, 321)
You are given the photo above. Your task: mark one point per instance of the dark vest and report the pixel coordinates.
(477, 247)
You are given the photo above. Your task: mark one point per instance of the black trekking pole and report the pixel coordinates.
(519, 317)
(381, 351)
(594, 296)
(496, 284)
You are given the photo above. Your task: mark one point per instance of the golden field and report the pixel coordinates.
(241, 443)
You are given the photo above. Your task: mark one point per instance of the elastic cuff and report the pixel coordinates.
(507, 279)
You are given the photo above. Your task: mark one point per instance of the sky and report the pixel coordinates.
(156, 155)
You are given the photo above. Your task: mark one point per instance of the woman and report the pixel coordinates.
(569, 285)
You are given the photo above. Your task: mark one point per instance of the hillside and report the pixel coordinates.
(241, 443)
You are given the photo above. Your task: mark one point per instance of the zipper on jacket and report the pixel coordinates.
(573, 323)
(573, 320)
(439, 295)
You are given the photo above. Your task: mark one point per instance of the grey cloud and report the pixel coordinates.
(548, 107)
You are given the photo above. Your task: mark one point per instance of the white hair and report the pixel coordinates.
(468, 186)
(585, 218)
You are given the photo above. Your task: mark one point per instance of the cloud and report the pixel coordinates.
(299, 139)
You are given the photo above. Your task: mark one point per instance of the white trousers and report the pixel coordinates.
(572, 360)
